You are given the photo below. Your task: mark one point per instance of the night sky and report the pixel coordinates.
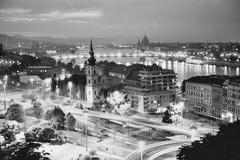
(161, 20)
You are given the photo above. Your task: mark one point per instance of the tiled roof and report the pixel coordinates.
(208, 79)
(121, 70)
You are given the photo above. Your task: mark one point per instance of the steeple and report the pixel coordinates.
(91, 59)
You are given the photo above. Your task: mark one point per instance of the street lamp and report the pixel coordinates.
(70, 87)
(4, 96)
(141, 143)
(6, 78)
(58, 95)
(86, 127)
(31, 84)
(193, 129)
(17, 85)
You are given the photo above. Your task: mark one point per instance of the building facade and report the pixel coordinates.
(42, 70)
(151, 87)
(217, 97)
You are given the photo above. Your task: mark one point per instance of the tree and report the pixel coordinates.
(167, 116)
(15, 112)
(48, 61)
(8, 134)
(54, 83)
(117, 101)
(76, 69)
(38, 112)
(49, 115)
(69, 67)
(183, 86)
(222, 146)
(23, 150)
(73, 61)
(70, 121)
(58, 119)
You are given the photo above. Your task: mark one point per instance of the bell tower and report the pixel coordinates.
(91, 70)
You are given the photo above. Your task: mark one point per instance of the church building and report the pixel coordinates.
(96, 80)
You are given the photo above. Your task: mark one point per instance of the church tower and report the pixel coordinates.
(92, 88)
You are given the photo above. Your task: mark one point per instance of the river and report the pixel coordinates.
(183, 69)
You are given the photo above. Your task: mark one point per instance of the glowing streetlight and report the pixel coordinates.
(86, 127)
(193, 129)
(17, 85)
(58, 95)
(6, 78)
(141, 143)
(31, 84)
(4, 95)
(70, 87)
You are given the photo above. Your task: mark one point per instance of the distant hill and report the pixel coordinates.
(83, 40)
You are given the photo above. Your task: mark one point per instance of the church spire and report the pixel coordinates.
(91, 47)
(91, 59)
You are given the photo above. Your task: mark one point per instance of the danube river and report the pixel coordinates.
(183, 69)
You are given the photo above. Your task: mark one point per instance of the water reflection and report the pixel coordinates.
(184, 70)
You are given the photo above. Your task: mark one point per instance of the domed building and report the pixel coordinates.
(145, 41)
(142, 45)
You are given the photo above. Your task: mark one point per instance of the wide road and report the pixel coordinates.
(138, 121)
(146, 154)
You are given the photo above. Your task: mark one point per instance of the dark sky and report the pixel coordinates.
(161, 20)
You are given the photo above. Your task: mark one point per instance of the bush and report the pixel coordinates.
(25, 96)
(8, 132)
(38, 112)
(66, 101)
(46, 134)
(13, 125)
(38, 104)
(15, 112)
(60, 137)
(92, 152)
(32, 133)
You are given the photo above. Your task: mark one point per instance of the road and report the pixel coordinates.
(148, 153)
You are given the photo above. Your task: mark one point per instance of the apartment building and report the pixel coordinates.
(151, 87)
(214, 96)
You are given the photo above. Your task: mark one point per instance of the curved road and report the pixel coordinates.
(149, 152)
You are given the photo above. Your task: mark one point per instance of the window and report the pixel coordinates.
(89, 81)
(88, 71)
(95, 92)
(94, 71)
(95, 81)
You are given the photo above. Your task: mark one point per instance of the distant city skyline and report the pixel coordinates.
(160, 20)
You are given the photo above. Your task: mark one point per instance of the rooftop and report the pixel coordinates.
(213, 79)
